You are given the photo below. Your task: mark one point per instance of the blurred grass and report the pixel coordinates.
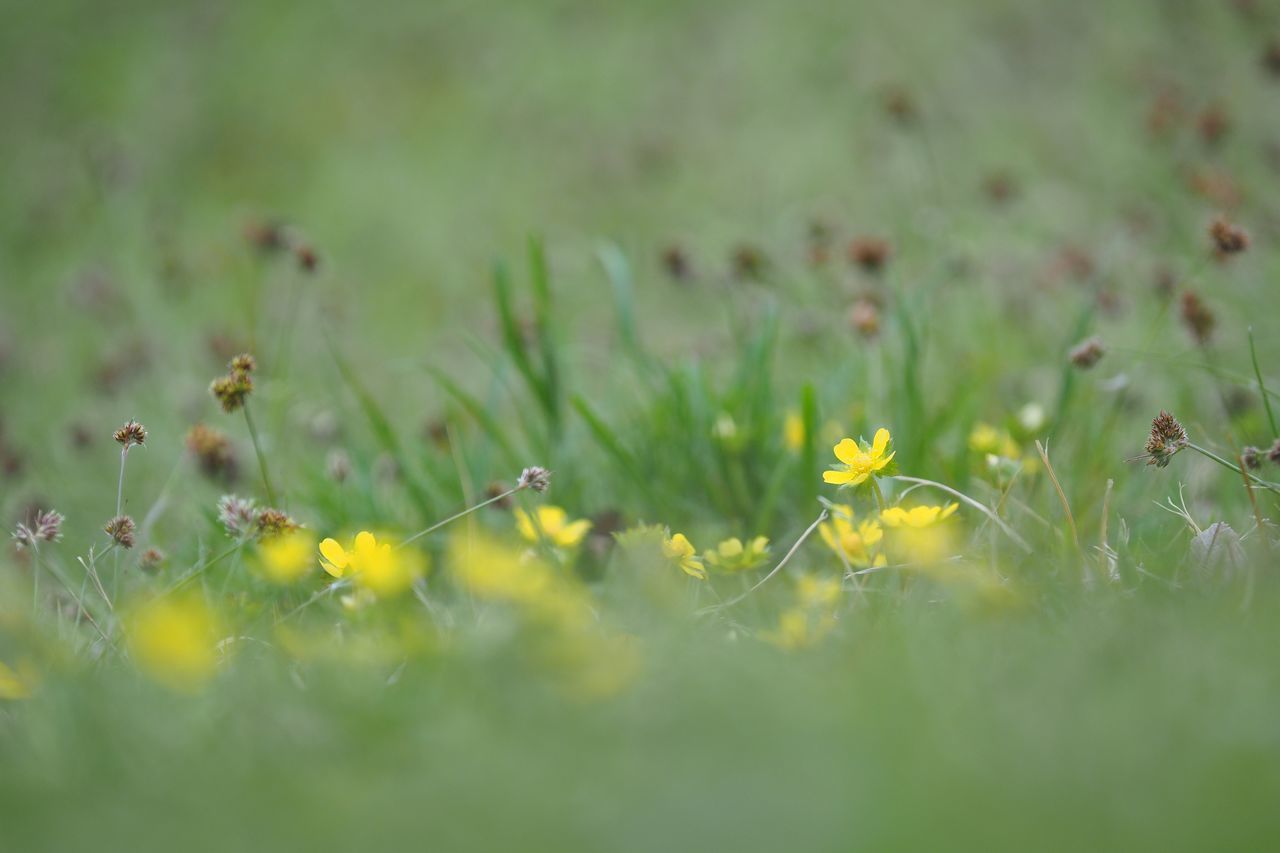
(416, 146)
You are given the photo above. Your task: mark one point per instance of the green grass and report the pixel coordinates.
(490, 188)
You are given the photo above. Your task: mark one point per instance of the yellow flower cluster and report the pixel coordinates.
(374, 567)
(733, 556)
(551, 524)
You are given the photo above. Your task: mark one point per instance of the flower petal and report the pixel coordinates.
(335, 554)
(880, 463)
(881, 442)
(846, 451)
(837, 478)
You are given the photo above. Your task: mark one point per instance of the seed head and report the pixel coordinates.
(869, 253)
(231, 390)
(535, 478)
(121, 529)
(1252, 458)
(749, 262)
(130, 434)
(864, 317)
(1167, 438)
(1197, 317)
(1273, 454)
(1213, 124)
(212, 451)
(265, 236)
(238, 515)
(306, 256)
(675, 260)
(1228, 239)
(273, 522)
(45, 527)
(244, 363)
(1086, 354)
(151, 560)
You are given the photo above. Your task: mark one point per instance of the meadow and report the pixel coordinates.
(610, 426)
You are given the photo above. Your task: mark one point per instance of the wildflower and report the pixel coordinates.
(213, 452)
(793, 431)
(553, 523)
(174, 640)
(376, 567)
(869, 253)
(813, 591)
(151, 560)
(1228, 239)
(860, 461)
(680, 551)
(273, 522)
(492, 571)
(800, 628)
(130, 434)
(237, 515)
(1197, 317)
(732, 556)
(534, 477)
(287, 557)
(917, 517)
(1167, 438)
(984, 438)
(45, 527)
(1087, 353)
(854, 544)
(232, 390)
(121, 530)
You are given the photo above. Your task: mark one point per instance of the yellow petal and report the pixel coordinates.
(837, 478)
(572, 534)
(335, 554)
(365, 542)
(876, 466)
(847, 450)
(331, 569)
(949, 509)
(524, 524)
(881, 442)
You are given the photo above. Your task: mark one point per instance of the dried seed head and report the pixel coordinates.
(238, 515)
(1167, 438)
(151, 560)
(999, 187)
(130, 434)
(677, 264)
(535, 478)
(212, 451)
(244, 363)
(869, 253)
(1228, 239)
(1273, 453)
(1086, 354)
(899, 104)
(864, 317)
(273, 522)
(1197, 317)
(1213, 124)
(45, 527)
(1252, 458)
(266, 236)
(338, 465)
(121, 529)
(497, 492)
(231, 391)
(748, 262)
(306, 256)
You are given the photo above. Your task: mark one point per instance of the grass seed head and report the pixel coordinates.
(1252, 458)
(151, 560)
(1228, 239)
(121, 529)
(130, 434)
(869, 253)
(1087, 353)
(213, 452)
(1197, 317)
(534, 477)
(1167, 438)
(272, 522)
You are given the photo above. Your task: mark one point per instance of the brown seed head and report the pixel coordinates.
(273, 522)
(121, 529)
(1167, 438)
(1086, 354)
(130, 434)
(243, 363)
(1197, 317)
(869, 253)
(1252, 458)
(748, 262)
(1213, 124)
(151, 560)
(534, 477)
(1228, 239)
(231, 390)
(237, 515)
(675, 260)
(864, 317)
(307, 258)
(212, 451)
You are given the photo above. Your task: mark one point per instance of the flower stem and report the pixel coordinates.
(1271, 487)
(262, 459)
(822, 516)
(462, 514)
(1262, 388)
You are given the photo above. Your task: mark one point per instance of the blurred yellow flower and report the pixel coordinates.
(680, 550)
(174, 641)
(984, 438)
(287, 557)
(916, 517)
(814, 591)
(799, 628)
(793, 431)
(384, 571)
(17, 683)
(732, 556)
(553, 522)
(843, 538)
(859, 461)
(493, 571)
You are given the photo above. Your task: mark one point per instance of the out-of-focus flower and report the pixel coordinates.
(174, 641)
(793, 431)
(17, 683)
(917, 517)
(678, 549)
(732, 556)
(384, 571)
(860, 461)
(854, 543)
(553, 524)
(45, 527)
(287, 557)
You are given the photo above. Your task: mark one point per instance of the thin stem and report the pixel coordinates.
(822, 516)
(1062, 495)
(338, 584)
(1008, 531)
(462, 514)
(1271, 487)
(875, 488)
(262, 459)
(1262, 387)
(124, 455)
(208, 564)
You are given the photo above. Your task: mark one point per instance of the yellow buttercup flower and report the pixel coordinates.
(986, 439)
(793, 431)
(817, 592)
(287, 557)
(493, 571)
(553, 523)
(916, 517)
(680, 550)
(855, 543)
(859, 461)
(174, 640)
(376, 567)
(732, 556)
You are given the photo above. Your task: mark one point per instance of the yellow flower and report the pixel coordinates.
(817, 592)
(492, 571)
(287, 557)
(17, 683)
(916, 517)
(799, 628)
(554, 523)
(793, 431)
(174, 640)
(859, 461)
(680, 550)
(378, 568)
(842, 538)
(732, 556)
(984, 438)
